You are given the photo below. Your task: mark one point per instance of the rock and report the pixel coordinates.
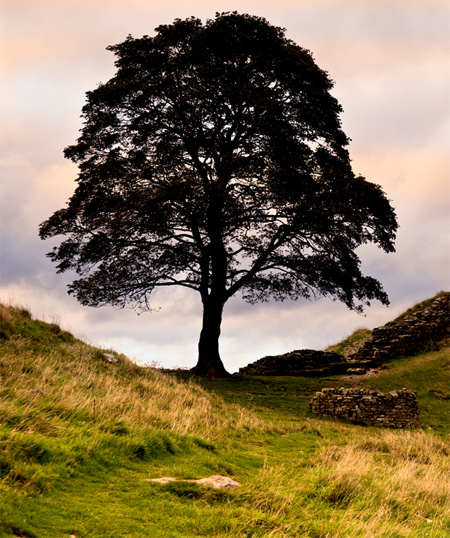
(356, 371)
(219, 482)
(216, 481)
(163, 479)
(110, 358)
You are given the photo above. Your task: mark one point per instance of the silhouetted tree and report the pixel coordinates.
(214, 159)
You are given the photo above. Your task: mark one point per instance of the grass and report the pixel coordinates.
(352, 343)
(80, 436)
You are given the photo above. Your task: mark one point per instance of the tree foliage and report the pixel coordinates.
(214, 159)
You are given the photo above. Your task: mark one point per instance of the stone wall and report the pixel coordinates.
(411, 334)
(397, 409)
(301, 362)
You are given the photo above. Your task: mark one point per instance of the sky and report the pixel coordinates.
(391, 65)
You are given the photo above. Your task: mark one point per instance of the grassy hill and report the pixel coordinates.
(83, 429)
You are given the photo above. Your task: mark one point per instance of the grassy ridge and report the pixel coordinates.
(419, 307)
(352, 343)
(79, 436)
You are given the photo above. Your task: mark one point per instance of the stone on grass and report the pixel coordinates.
(110, 358)
(219, 482)
(216, 481)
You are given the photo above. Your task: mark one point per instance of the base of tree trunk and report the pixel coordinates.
(212, 371)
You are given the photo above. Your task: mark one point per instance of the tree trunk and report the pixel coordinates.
(209, 362)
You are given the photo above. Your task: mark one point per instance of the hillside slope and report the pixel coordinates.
(83, 429)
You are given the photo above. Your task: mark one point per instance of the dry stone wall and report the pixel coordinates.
(409, 335)
(301, 362)
(396, 409)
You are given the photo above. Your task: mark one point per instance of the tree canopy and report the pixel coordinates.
(214, 159)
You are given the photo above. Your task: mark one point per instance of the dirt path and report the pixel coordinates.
(356, 380)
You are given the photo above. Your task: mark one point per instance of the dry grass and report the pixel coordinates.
(388, 484)
(405, 467)
(73, 381)
(75, 389)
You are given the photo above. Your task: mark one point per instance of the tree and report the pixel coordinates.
(214, 159)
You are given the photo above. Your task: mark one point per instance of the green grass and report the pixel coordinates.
(80, 437)
(279, 399)
(284, 400)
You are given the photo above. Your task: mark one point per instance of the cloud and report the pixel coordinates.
(391, 66)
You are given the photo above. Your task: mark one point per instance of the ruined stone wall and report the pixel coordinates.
(409, 335)
(397, 409)
(301, 362)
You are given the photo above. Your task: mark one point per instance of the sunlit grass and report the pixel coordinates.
(71, 381)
